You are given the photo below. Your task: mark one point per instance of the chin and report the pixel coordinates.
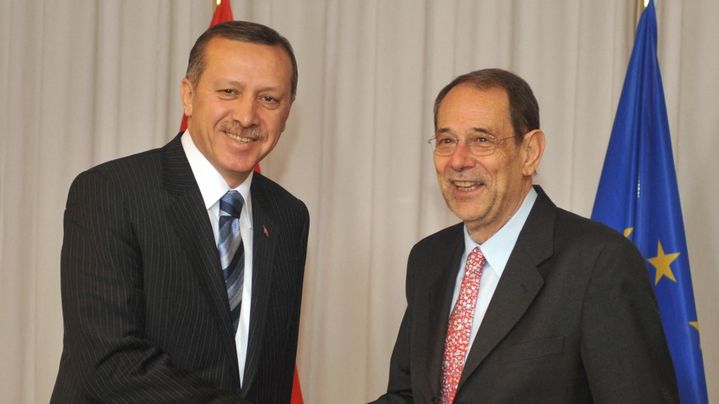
(244, 170)
(467, 211)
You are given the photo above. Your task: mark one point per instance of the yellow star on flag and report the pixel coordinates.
(662, 264)
(694, 324)
(628, 231)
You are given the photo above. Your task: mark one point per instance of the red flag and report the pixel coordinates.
(223, 12)
(296, 390)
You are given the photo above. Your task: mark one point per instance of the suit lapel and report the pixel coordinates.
(188, 216)
(263, 264)
(435, 307)
(519, 285)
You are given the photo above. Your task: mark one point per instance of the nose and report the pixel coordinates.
(245, 111)
(462, 157)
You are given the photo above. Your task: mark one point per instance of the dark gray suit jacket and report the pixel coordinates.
(145, 307)
(573, 320)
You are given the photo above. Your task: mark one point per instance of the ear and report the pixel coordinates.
(188, 93)
(532, 150)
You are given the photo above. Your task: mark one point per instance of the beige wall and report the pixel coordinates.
(84, 81)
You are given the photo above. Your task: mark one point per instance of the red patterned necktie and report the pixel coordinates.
(460, 326)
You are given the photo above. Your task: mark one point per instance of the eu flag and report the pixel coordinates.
(638, 196)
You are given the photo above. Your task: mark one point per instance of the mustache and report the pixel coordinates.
(235, 128)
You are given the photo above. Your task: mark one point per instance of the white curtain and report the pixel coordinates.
(84, 81)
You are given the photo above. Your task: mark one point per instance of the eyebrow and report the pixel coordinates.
(483, 130)
(225, 82)
(242, 85)
(472, 131)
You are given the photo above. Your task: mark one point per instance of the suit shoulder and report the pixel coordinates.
(130, 167)
(276, 192)
(438, 240)
(573, 224)
(575, 231)
(284, 205)
(122, 175)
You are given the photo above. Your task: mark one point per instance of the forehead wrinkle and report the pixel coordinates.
(481, 130)
(444, 131)
(234, 83)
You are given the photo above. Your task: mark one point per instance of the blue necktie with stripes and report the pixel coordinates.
(232, 254)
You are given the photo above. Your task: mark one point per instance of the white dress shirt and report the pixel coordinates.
(496, 251)
(212, 187)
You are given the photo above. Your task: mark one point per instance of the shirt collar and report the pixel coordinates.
(212, 185)
(497, 249)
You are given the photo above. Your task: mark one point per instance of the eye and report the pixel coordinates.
(444, 140)
(227, 92)
(484, 140)
(269, 101)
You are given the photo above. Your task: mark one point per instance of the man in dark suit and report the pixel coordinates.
(523, 302)
(181, 268)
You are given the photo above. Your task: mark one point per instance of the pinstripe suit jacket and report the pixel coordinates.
(145, 309)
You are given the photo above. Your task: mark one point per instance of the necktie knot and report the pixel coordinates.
(475, 262)
(231, 203)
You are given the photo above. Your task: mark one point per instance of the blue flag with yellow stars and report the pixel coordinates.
(638, 196)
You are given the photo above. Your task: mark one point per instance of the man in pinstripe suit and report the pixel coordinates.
(146, 309)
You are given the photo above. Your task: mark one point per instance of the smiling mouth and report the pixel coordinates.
(238, 138)
(466, 186)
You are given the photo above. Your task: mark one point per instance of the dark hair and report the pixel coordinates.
(244, 31)
(523, 107)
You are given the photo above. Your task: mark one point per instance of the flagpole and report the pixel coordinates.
(641, 5)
